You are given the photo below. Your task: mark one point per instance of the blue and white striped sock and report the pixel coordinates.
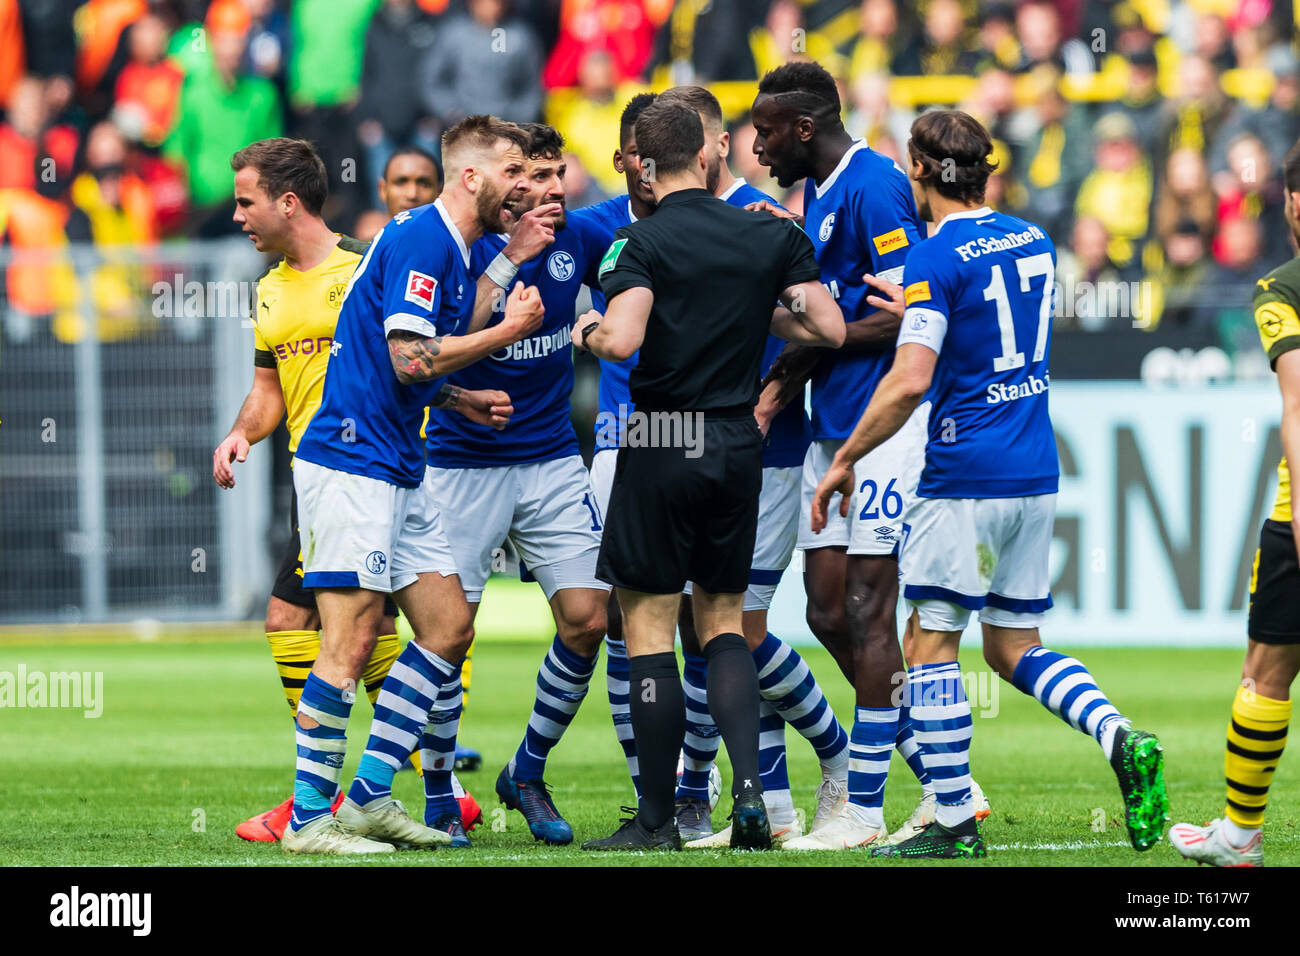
(401, 714)
(772, 770)
(320, 749)
(786, 682)
(562, 683)
(438, 750)
(908, 750)
(1064, 686)
(700, 748)
(616, 686)
(870, 746)
(941, 723)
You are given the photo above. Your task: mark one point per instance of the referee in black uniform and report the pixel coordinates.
(694, 287)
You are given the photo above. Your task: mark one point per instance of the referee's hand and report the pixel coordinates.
(890, 300)
(838, 478)
(778, 211)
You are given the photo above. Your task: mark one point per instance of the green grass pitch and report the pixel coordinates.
(194, 737)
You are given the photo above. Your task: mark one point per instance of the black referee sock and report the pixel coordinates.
(733, 702)
(659, 727)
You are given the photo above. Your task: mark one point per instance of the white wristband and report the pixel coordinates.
(501, 270)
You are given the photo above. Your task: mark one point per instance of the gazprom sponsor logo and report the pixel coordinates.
(998, 393)
(539, 346)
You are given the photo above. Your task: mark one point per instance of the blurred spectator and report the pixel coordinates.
(221, 111)
(998, 44)
(1251, 188)
(368, 224)
(482, 61)
(99, 25)
(39, 282)
(1232, 278)
(32, 147)
(1213, 41)
(876, 45)
(13, 54)
(1054, 158)
(1185, 196)
(1084, 271)
(1118, 190)
(1004, 191)
(268, 42)
(580, 186)
(411, 177)
(870, 114)
(1277, 124)
(993, 102)
(589, 120)
(1180, 285)
(742, 158)
(943, 48)
(1038, 24)
(112, 208)
(625, 29)
(391, 113)
(697, 43)
(50, 39)
(149, 86)
(1141, 100)
(783, 37)
(1193, 118)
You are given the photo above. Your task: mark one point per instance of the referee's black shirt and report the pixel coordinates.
(716, 272)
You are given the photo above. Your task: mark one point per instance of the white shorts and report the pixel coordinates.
(546, 509)
(978, 554)
(359, 532)
(778, 522)
(602, 476)
(886, 484)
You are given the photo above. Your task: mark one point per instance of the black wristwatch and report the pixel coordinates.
(586, 331)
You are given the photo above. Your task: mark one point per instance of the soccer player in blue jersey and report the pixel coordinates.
(411, 315)
(790, 692)
(976, 310)
(860, 215)
(528, 482)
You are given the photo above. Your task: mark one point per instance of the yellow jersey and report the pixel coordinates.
(293, 328)
(1277, 298)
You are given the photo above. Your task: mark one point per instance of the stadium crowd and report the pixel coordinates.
(1144, 134)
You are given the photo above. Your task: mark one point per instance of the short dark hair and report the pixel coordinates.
(1291, 168)
(953, 149)
(286, 166)
(697, 98)
(544, 142)
(481, 132)
(411, 150)
(634, 108)
(804, 86)
(670, 136)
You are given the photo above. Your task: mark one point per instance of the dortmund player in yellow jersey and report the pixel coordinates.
(280, 186)
(1261, 711)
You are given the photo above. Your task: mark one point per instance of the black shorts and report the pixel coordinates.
(288, 578)
(1275, 587)
(674, 519)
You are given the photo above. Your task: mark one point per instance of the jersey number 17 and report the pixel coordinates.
(996, 291)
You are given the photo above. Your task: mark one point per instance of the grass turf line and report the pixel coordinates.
(194, 737)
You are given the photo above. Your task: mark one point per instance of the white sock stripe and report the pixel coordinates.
(695, 695)
(335, 745)
(400, 705)
(613, 686)
(395, 735)
(1098, 715)
(865, 715)
(933, 715)
(957, 735)
(388, 758)
(1047, 676)
(1081, 703)
(322, 718)
(441, 667)
(576, 686)
(857, 765)
(569, 707)
(943, 673)
(947, 760)
(789, 683)
(1063, 687)
(319, 769)
(772, 738)
(780, 657)
(412, 679)
(545, 726)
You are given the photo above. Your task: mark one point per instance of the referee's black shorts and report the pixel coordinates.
(288, 578)
(1275, 587)
(674, 519)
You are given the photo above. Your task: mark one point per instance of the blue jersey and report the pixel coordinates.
(862, 218)
(789, 435)
(613, 390)
(537, 372)
(414, 277)
(979, 292)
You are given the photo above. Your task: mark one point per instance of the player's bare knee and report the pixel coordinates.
(283, 616)
(826, 623)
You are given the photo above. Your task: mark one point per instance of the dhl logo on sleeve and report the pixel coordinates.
(916, 292)
(889, 241)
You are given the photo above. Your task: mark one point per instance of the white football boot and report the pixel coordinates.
(844, 832)
(326, 835)
(1209, 844)
(388, 820)
(832, 795)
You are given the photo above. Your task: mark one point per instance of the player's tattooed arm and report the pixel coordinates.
(413, 355)
(448, 397)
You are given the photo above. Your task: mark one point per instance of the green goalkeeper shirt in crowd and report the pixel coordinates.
(214, 121)
(327, 48)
